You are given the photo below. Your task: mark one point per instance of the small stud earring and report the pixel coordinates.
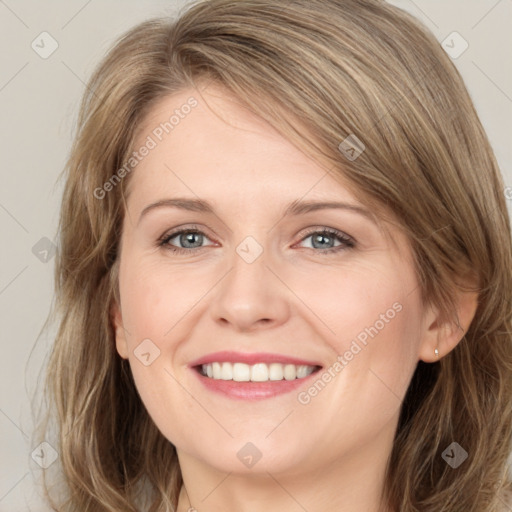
(436, 352)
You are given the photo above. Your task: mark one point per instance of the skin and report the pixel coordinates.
(331, 453)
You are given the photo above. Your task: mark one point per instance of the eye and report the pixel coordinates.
(189, 238)
(325, 239)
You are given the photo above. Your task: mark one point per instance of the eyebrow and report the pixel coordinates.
(296, 207)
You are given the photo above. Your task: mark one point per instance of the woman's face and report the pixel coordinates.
(254, 277)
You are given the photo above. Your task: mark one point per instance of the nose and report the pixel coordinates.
(251, 296)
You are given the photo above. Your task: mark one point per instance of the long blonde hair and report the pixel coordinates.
(319, 71)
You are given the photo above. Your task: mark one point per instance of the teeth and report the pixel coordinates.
(260, 372)
(290, 372)
(226, 372)
(275, 371)
(216, 370)
(241, 371)
(302, 371)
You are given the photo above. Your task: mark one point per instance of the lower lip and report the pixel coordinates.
(252, 390)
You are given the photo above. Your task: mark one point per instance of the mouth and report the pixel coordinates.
(246, 376)
(259, 372)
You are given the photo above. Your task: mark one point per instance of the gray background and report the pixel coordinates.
(39, 99)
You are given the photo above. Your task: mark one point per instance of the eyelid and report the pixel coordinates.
(345, 238)
(347, 241)
(172, 233)
(326, 229)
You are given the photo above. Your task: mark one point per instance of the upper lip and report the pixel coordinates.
(250, 358)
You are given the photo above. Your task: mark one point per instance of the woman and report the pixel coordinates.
(339, 338)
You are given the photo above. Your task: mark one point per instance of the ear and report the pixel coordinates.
(445, 334)
(116, 319)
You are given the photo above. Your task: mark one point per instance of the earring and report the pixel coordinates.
(436, 352)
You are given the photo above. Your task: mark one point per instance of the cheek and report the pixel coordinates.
(363, 302)
(362, 391)
(155, 298)
(373, 317)
(157, 304)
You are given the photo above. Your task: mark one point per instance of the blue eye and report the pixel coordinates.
(191, 239)
(319, 238)
(187, 237)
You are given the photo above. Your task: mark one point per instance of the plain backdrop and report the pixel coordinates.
(39, 97)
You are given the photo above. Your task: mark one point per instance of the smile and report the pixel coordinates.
(253, 376)
(259, 372)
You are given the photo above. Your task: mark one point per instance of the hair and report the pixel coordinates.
(318, 71)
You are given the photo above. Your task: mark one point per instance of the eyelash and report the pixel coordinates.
(347, 241)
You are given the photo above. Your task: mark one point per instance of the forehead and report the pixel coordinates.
(218, 144)
(205, 143)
